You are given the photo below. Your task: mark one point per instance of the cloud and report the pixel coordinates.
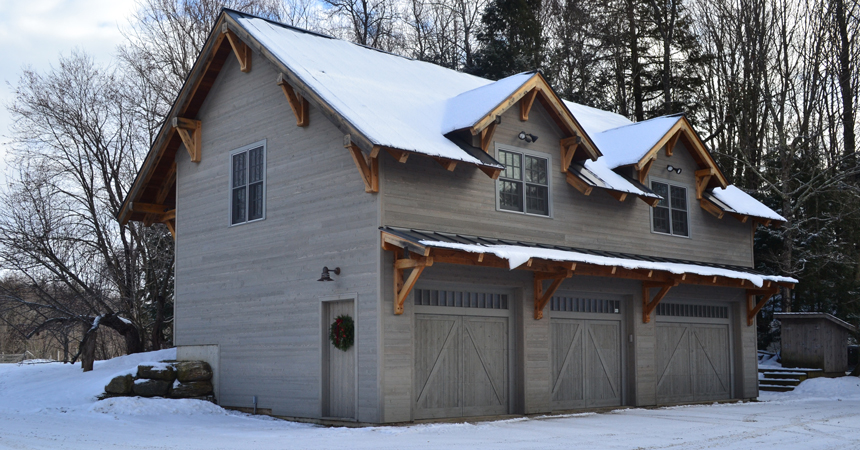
(35, 32)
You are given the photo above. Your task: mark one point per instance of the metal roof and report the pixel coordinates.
(417, 235)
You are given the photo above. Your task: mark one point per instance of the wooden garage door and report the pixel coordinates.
(585, 338)
(461, 360)
(693, 353)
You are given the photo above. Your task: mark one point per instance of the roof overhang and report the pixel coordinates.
(718, 209)
(154, 187)
(537, 88)
(424, 248)
(684, 131)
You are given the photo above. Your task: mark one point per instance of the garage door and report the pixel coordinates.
(585, 337)
(462, 343)
(693, 353)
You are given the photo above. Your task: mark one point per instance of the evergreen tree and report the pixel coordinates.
(510, 41)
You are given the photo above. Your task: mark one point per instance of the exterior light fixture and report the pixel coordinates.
(672, 168)
(527, 137)
(326, 273)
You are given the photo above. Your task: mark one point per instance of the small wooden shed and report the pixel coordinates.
(814, 340)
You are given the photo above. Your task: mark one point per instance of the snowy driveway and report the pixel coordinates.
(50, 406)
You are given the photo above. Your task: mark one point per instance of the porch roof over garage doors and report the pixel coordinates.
(418, 249)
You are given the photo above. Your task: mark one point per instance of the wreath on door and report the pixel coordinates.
(342, 332)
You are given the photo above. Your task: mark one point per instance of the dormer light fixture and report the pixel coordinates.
(672, 168)
(326, 273)
(527, 137)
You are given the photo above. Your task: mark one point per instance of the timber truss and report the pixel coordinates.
(410, 255)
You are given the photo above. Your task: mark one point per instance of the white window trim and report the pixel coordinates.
(689, 208)
(230, 182)
(549, 174)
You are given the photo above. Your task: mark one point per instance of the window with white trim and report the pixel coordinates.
(524, 184)
(670, 216)
(247, 184)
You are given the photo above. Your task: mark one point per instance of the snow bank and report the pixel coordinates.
(58, 385)
(138, 406)
(833, 389)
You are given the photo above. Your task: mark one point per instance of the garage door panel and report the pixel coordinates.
(603, 363)
(693, 362)
(485, 361)
(673, 362)
(586, 362)
(462, 360)
(567, 363)
(710, 364)
(437, 365)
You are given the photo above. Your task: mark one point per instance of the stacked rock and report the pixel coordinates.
(175, 379)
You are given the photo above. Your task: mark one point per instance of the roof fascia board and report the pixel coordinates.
(683, 125)
(165, 134)
(548, 95)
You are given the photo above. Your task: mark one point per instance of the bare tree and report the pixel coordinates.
(370, 22)
(77, 147)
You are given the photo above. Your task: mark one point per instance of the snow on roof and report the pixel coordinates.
(595, 120)
(745, 204)
(365, 85)
(627, 144)
(468, 108)
(613, 180)
(518, 255)
(420, 102)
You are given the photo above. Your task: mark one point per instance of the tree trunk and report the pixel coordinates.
(157, 335)
(635, 68)
(133, 342)
(847, 90)
(88, 349)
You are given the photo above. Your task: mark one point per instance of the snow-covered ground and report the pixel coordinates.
(52, 406)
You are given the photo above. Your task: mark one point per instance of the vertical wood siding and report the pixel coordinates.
(422, 194)
(251, 289)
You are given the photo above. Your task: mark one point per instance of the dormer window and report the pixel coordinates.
(670, 215)
(524, 184)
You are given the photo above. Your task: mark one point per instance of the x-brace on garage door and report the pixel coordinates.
(461, 354)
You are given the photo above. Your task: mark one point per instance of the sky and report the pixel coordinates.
(35, 32)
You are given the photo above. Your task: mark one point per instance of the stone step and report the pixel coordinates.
(779, 382)
(799, 376)
(775, 388)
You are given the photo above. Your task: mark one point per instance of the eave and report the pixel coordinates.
(537, 88)
(418, 249)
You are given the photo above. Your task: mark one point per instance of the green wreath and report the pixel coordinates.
(342, 332)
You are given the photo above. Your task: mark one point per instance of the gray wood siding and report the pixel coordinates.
(251, 289)
(532, 376)
(421, 194)
(814, 343)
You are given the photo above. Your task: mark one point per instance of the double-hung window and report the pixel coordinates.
(524, 184)
(670, 215)
(247, 183)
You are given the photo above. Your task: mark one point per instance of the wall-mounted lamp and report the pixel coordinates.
(326, 273)
(527, 137)
(672, 168)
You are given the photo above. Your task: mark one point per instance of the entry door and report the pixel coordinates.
(338, 367)
(461, 366)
